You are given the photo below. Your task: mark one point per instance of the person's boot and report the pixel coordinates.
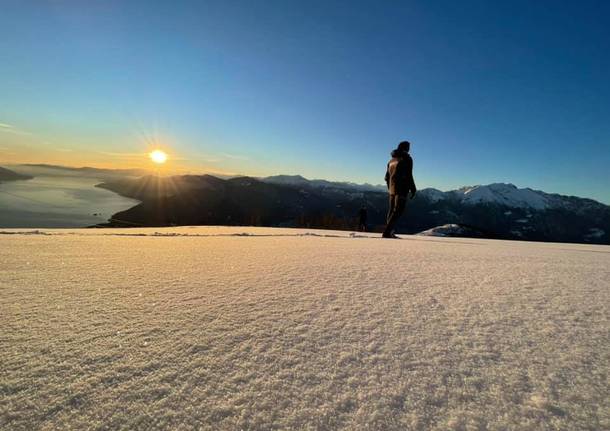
(390, 234)
(387, 234)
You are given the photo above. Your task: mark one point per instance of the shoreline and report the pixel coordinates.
(59, 202)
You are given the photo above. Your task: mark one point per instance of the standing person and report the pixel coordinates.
(399, 179)
(362, 216)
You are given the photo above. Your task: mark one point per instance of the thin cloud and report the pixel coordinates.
(205, 159)
(234, 156)
(113, 154)
(9, 128)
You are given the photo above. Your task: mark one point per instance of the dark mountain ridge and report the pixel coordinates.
(500, 211)
(298, 180)
(8, 175)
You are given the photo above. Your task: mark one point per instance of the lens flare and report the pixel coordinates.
(158, 156)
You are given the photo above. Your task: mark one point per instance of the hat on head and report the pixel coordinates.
(404, 146)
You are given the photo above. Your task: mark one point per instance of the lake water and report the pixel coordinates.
(54, 201)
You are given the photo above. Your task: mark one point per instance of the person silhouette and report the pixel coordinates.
(362, 216)
(400, 182)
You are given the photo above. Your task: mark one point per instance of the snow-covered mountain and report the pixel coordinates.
(506, 211)
(497, 193)
(504, 194)
(432, 195)
(508, 195)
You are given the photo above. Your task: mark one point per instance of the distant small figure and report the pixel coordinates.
(399, 179)
(362, 216)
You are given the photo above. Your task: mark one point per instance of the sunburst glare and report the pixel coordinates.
(158, 156)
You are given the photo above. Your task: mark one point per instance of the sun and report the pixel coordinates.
(158, 156)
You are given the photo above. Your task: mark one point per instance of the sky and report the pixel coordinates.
(486, 91)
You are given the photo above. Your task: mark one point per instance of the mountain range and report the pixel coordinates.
(9, 175)
(500, 211)
(298, 180)
(42, 169)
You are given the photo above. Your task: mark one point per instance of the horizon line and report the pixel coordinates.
(239, 175)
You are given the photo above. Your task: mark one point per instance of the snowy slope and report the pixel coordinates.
(508, 195)
(453, 230)
(254, 328)
(504, 194)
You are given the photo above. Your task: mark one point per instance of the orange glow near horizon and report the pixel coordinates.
(146, 153)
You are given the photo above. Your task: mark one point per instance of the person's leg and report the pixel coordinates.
(390, 217)
(398, 204)
(401, 203)
(390, 208)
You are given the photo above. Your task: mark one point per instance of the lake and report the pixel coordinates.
(57, 201)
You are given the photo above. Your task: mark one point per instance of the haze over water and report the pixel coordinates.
(58, 201)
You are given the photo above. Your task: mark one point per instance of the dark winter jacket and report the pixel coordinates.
(399, 175)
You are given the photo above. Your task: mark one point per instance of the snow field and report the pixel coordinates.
(256, 328)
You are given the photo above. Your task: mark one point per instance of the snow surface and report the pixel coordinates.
(259, 328)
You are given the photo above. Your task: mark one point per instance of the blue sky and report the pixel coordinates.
(486, 91)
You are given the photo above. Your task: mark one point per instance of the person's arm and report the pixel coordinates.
(410, 179)
(387, 176)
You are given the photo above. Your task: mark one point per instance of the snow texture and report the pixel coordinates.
(257, 328)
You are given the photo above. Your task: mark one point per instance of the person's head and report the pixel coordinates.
(404, 146)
